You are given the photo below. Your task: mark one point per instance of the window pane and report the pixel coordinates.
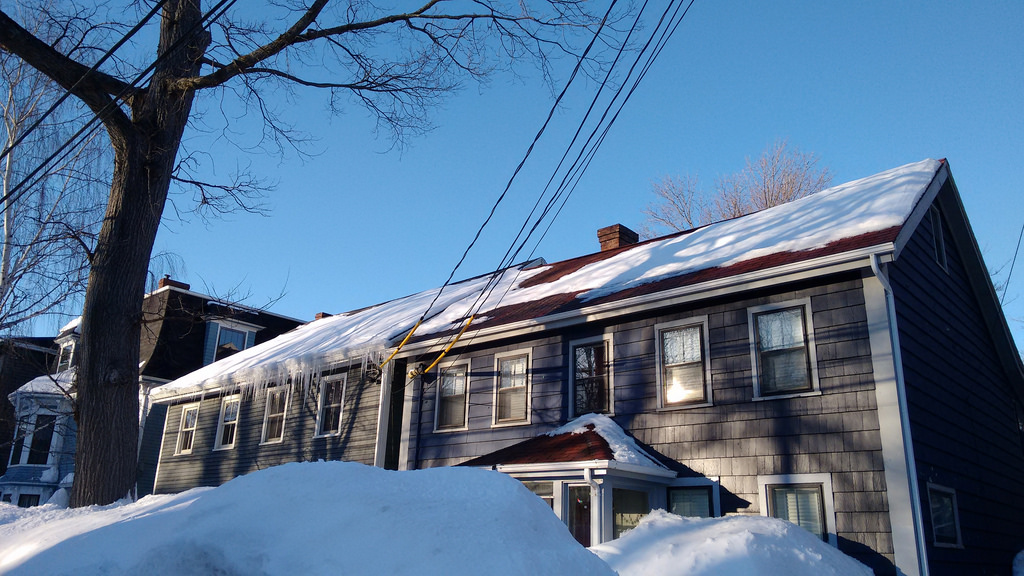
(782, 352)
(785, 370)
(628, 507)
(590, 382)
(28, 500)
(512, 372)
(452, 401)
(188, 425)
(683, 345)
(331, 400)
(229, 422)
(943, 516)
(579, 514)
(229, 341)
(684, 383)
(39, 451)
(544, 490)
(782, 329)
(690, 502)
(274, 427)
(801, 505)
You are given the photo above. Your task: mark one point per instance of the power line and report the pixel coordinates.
(1012, 262)
(92, 125)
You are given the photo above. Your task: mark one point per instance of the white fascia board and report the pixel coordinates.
(921, 209)
(803, 270)
(599, 468)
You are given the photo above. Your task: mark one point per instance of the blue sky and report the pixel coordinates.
(866, 86)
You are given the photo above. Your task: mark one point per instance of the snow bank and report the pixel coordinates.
(309, 518)
(669, 545)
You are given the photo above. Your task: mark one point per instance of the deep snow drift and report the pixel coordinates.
(337, 517)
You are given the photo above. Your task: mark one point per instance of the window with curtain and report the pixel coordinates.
(682, 366)
(273, 417)
(801, 504)
(187, 429)
(590, 378)
(782, 360)
(228, 425)
(452, 397)
(332, 396)
(512, 389)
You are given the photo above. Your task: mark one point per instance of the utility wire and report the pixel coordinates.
(1006, 287)
(67, 93)
(93, 124)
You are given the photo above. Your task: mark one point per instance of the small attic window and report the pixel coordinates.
(937, 239)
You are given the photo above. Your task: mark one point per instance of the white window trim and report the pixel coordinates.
(956, 516)
(705, 351)
(528, 352)
(343, 378)
(181, 423)
(218, 445)
(70, 345)
(812, 356)
(286, 390)
(437, 396)
(700, 482)
(607, 338)
(822, 478)
(26, 444)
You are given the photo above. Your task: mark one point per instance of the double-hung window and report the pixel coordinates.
(591, 389)
(187, 428)
(273, 416)
(512, 391)
(782, 349)
(452, 397)
(227, 426)
(332, 400)
(682, 363)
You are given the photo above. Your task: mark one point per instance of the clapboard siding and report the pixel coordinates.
(208, 467)
(962, 410)
(737, 438)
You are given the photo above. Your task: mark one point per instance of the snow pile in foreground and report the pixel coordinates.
(668, 545)
(306, 519)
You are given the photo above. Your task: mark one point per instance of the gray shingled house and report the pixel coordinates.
(183, 330)
(840, 362)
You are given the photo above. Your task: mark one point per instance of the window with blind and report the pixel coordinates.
(452, 397)
(187, 428)
(273, 416)
(227, 426)
(332, 399)
(590, 387)
(682, 362)
(512, 389)
(628, 507)
(801, 504)
(782, 349)
(691, 501)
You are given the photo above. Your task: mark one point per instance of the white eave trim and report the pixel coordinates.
(599, 467)
(804, 269)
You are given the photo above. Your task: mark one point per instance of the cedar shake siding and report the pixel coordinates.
(833, 430)
(962, 408)
(206, 466)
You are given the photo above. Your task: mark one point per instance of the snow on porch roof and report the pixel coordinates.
(587, 438)
(858, 214)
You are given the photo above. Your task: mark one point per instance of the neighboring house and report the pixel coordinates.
(182, 331)
(840, 361)
(21, 359)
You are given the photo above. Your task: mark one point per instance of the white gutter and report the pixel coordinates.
(599, 467)
(904, 420)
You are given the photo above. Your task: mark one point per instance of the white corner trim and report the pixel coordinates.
(383, 415)
(894, 430)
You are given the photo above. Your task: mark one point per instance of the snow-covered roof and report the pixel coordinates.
(59, 383)
(624, 448)
(871, 209)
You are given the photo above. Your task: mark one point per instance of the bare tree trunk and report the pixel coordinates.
(108, 377)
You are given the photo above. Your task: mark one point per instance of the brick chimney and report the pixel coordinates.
(322, 315)
(167, 281)
(616, 236)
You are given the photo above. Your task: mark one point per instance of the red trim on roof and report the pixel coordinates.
(568, 447)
